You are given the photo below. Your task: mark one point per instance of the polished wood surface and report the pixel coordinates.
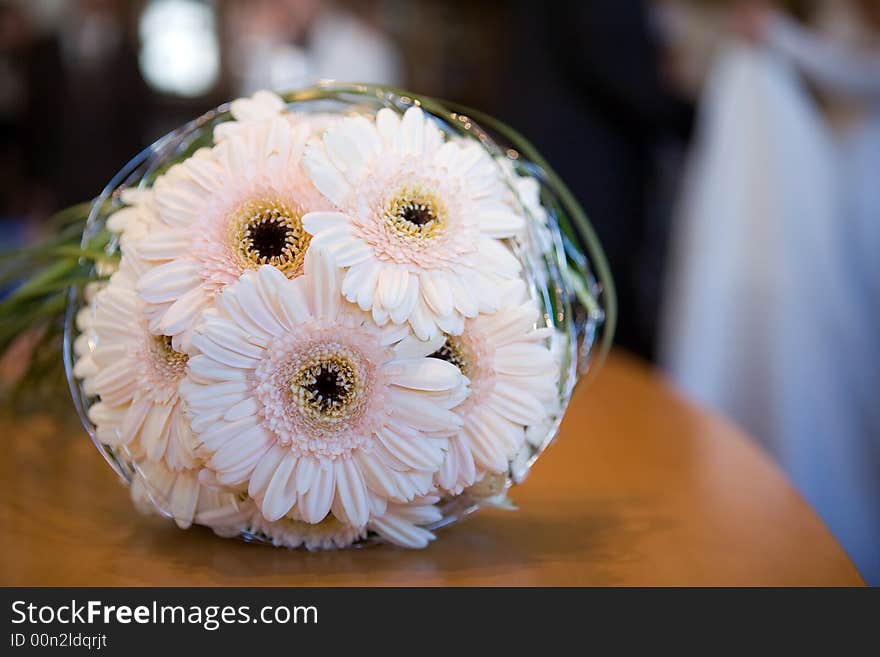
(640, 489)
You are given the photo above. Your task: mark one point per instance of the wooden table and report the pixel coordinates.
(640, 489)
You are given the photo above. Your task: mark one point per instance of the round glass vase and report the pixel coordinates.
(564, 266)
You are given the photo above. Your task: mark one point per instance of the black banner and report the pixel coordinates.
(391, 621)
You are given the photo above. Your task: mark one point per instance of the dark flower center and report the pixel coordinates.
(417, 215)
(269, 239)
(270, 233)
(329, 387)
(414, 213)
(169, 363)
(453, 352)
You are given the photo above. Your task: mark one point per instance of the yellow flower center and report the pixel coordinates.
(328, 388)
(170, 364)
(455, 352)
(271, 233)
(415, 213)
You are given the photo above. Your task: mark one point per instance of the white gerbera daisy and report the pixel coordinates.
(305, 399)
(136, 375)
(131, 224)
(134, 221)
(401, 524)
(86, 340)
(226, 210)
(539, 435)
(417, 221)
(526, 188)
(513, 384)
(157, 489)
(526, 196)
(266, 106)
(261, 106)
(293, 532)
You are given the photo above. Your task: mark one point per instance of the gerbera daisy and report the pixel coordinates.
(226, 210)
(293, 532)
(539, 435)
(266, 106)
(512, 385)
(306, 400)
(417, 220)
(130, 223)
(401, 524)
(136, 375)
(180, 495)
(86, 339)
(526, 188)
(262, 106)
(134, 221)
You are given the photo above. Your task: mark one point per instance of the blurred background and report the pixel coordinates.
(727, 152)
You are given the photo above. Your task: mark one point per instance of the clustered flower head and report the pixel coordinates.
(320, 329)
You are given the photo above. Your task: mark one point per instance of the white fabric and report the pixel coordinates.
(835, 67)
(772, 298)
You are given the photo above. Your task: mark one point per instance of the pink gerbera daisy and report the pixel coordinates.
(302, 398)
(417, 220)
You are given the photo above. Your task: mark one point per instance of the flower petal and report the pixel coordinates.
(352, 492)
(422, 374)
(315, 504)
(280, 495)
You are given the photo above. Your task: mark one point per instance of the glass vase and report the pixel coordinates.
(564, 266)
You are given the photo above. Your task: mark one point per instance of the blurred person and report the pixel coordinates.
(772, 306)
(585, 83)
(284, 44)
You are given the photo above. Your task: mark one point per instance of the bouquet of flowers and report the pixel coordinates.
(337, 315)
